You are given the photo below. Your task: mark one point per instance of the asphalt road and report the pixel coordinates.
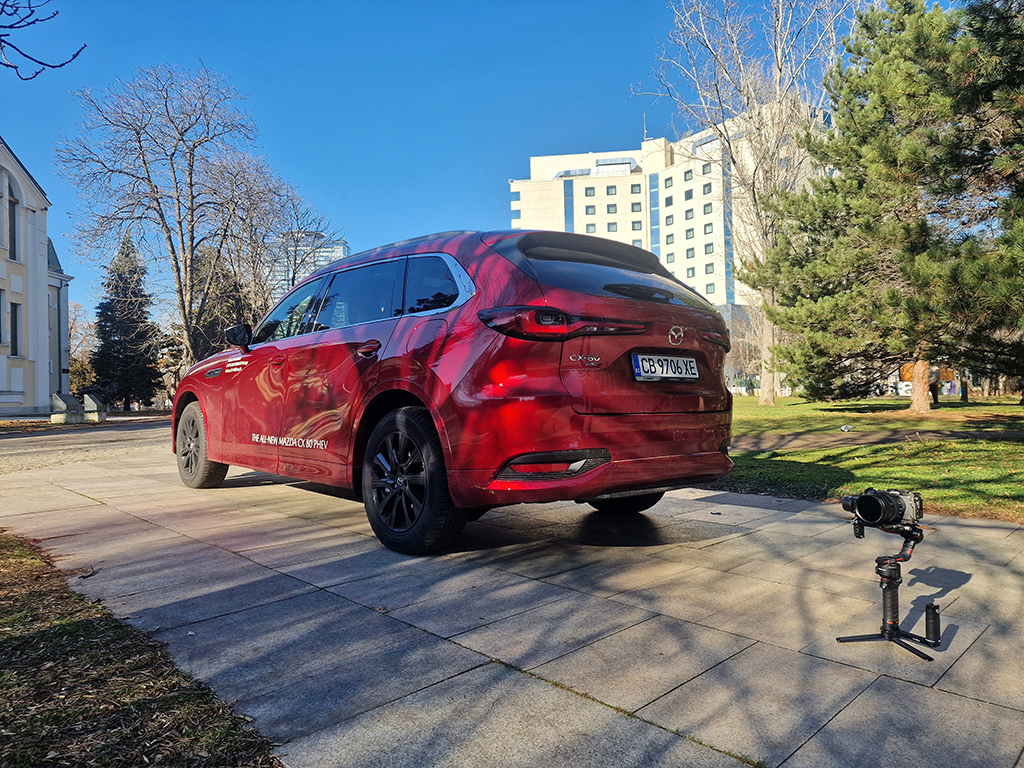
(21, 451)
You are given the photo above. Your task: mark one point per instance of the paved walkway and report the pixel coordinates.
(553, 635)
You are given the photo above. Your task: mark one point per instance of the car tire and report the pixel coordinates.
(626, 505)
(405, 486)
(194, 468)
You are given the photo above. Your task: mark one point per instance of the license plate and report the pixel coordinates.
(658, 367)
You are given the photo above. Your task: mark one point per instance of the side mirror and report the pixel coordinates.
(239, 336)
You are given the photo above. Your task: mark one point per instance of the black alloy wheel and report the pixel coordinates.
(194, 468)
(405, 487)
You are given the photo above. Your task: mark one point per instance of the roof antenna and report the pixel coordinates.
(645, 125)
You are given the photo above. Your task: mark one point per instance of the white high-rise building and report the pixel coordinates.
(671, 198)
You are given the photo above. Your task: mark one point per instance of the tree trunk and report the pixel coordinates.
(920, 397)
(767, 396)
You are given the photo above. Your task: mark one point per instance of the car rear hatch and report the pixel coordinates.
(638, 341)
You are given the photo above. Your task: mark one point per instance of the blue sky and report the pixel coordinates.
(397, 119)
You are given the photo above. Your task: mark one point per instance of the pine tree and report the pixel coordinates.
(125, 355)
(864, 264)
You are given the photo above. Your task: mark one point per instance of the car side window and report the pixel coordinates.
(429, 285)
(288, 317)
(362, 295)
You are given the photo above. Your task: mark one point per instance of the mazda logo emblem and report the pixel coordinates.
(675, 336)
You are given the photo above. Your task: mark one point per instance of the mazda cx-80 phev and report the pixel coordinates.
(442, 377)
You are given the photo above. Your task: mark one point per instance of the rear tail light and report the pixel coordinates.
(544, 324)
(721, 338)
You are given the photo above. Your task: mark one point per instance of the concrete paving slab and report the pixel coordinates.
(768, 547)
(693, 594)
(613, 576)
(251, 535)
(890, 659)
(182, 604)
(352, 561)
(789, 617)
(702, 558)
(30, 499)
(393, 666)
(798, 576)
(494, 716)
(331, 543)
(247, 653)
(800, 524)
(973, 526)
(452, 614)
(763, 703)
(932, 728)
(991, 669)
(554, 629)
(415, 580)
(731, 514)
(638, 665)
(548, 558)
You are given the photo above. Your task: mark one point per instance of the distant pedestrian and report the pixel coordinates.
(933, 383)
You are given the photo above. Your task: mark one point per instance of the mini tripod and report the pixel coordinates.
(888, 569)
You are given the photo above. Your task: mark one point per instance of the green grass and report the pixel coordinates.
(78, 687)
(794, 414)
(977, 478)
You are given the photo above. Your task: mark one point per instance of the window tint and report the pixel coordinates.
(361, 295)
(429, 285)
(288, 317)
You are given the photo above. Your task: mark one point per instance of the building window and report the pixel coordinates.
(609, 190)
(709, 288)
(636, 207)
(668, 182)
(15, 329)
(709, 269)
(688, 195)
(591, 210)
(689, 234)
(668, 201)
(709, 228)
(687, 175)
(709, 248)
(669, 239)
(613, 208)
(12, 226)
(690, 272)
(2, 305)
(689, 253)
(669, 258)
(707, 188)
(708, 207)
(638, 243)
(613, 227)
(689, 214)
(517, 214)
(515, 197)
(591, 229)
(670, 220)
(706, 168)
(635, 189)
(589, 191)
(637, 226)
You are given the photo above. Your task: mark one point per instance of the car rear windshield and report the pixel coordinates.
(597, 267)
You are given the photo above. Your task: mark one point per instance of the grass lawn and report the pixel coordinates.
(977, 478)
(794, 414)
(81, 688)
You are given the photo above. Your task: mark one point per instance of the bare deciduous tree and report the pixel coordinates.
(168, 155)
(748, 79)
(16, 16)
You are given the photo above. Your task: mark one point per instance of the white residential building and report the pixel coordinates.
(34, 353)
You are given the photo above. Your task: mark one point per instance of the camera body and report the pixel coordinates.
(879, 509)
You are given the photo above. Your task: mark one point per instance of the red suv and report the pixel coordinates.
(444, 376)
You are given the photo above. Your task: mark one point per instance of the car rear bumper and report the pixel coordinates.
(644, 453)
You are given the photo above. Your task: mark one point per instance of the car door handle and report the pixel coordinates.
(277, 361)
(369, 349)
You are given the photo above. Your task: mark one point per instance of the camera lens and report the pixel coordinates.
(879, 509)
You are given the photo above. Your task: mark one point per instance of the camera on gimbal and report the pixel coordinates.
(882, 508)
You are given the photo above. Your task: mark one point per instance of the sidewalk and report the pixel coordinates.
(553, 635)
